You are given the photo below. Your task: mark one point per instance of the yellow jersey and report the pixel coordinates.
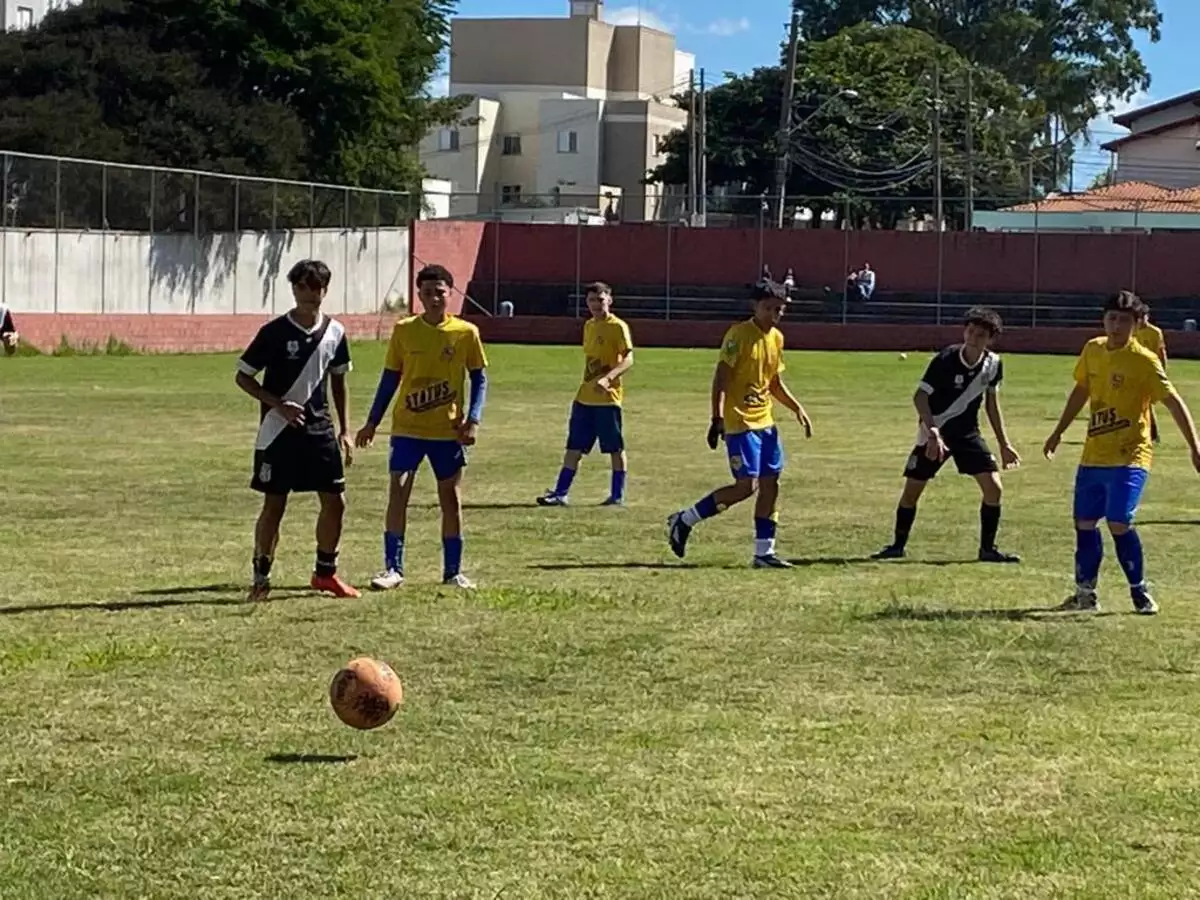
(605, 343)
(1151, 337)
(756, 358)
(433, 361)
(1122, 385)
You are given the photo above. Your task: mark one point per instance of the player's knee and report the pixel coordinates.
(274, 506)
(1116, 529)
(1086, 525)
(333, 504)
(745, 488)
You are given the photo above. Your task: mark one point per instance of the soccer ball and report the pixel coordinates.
(366, 693)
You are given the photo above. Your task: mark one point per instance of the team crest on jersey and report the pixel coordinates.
(293, 349)
(448, 352)
(958, 381)
(264, 473)
(1117, 379)
(731, 347)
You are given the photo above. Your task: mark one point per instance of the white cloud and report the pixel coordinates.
(637, 15)
(1103, 128)
(439, 85)
(727, 27)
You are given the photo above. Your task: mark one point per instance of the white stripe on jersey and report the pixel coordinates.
(306, 382)
(979, 384)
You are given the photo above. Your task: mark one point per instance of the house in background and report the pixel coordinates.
(568, 112)
(1125, 206)
(20, 14)
(1163, 144)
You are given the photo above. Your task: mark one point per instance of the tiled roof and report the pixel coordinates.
(1126, 196)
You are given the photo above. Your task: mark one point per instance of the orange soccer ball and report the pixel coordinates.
(366, 693)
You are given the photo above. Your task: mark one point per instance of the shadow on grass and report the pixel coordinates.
(1186, 523)
(165, 598)
(564, 567)
(499, 504)
(1033, 613)
(859, 560)
(311, 759)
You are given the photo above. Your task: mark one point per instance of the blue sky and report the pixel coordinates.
(738, 36)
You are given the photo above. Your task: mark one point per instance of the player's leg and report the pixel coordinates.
(321, 470)
(448, 459)
(1091, 499)
(1124, 496)
(919, 470)
(766, 503)
(581, 436)
(272, 479)
(745, 453)
(404, 458)
(974, 457)
(610, 433)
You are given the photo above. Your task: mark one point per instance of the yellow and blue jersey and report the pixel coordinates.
(1152, 338)
(433, 361)
(1122, 386)
(756, 359)
(605, 343)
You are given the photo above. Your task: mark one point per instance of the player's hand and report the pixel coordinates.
(347, 445)
(1009, 457)
(805, 422)
(715, 430)
(935, 447)
(1051, 445)
(292, 412)
(11, 339)
(604, 383)
(467, 432)
(365, 436)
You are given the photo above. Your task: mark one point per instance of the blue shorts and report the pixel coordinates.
(755, 454)
(446, 457)
(1111, 493)
(590, 424)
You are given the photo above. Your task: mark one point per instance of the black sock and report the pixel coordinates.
(905, 516)
(262, 567)
(326, 563)
(989, 524)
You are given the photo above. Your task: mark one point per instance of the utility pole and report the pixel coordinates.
(785, 119)
(691, 201)
(703, 173)
(937, 145)
(1054, 174)
(970, 149)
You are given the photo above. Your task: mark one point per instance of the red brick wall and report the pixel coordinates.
(805, 336)
(906, 261)
(456, 245)
(194, 334)
(167, 333)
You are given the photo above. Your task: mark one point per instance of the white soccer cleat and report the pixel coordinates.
(460, 581)
(552, 499)
(387, 581)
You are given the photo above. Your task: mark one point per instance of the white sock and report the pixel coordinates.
(690, 516)
(764, 546)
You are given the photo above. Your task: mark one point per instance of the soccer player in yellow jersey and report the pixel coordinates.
(596, 412)
(1152, 338)
(747, 377)
(429, 359)
(1120, 379)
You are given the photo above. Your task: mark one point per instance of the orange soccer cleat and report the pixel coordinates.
(333, 584)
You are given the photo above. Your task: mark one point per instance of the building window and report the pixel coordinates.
(568, 142)
(24, 17)
(660, 145)
(510, 193)
(511, 145)
(448, 140)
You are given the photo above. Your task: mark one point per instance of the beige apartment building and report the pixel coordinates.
(1163, 144)
(567, 112)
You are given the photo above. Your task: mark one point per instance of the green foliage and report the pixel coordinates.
(321, 90)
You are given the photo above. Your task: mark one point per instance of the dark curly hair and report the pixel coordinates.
(985, 318)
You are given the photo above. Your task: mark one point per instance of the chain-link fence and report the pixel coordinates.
(88, 236)
(1040, 262)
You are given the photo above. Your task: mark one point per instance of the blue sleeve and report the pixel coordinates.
(478, 393)
(389, 381)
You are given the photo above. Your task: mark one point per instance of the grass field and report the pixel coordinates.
(598, 720)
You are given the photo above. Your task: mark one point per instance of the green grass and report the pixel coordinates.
(598, 720)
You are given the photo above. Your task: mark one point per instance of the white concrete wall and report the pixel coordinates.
(129, 272)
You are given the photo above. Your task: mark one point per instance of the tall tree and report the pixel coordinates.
(1076, 56)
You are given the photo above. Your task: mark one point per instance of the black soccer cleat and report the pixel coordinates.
(992, 555)
(1143, 603)
(677, 534)
(891, 551)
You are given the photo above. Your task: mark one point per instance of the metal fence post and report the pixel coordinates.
(1133, 263)
(1033, 320)
(4, 164)
(150, 280)
(941, 258)
(346, 250)
(57, 226)
(846, 265)
(578, 258)
(496, 265)
(378, 213)
(274, 234)
(195, 240)
(670, 235)
(237, 239)
(312, 220)
(103, 237)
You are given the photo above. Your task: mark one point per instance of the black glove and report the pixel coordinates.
(715, 432)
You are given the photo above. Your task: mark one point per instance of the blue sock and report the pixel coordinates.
(764, 536)
(1129, 552)
(565, 477)
(1089, 550)
(393, 551)
(618, 484)
(452, 550)
(705, 509)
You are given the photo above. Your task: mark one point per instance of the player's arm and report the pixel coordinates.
(8, 334)
(338, 370)
(477, 375)
(1187, 425)
(720, 386)
(780, 392)
(605, 381)
(1008, 454)
(1075, 403)
(389, 383)
(935, 446)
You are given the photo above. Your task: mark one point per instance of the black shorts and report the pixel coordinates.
(971, 456)
(300, 463)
